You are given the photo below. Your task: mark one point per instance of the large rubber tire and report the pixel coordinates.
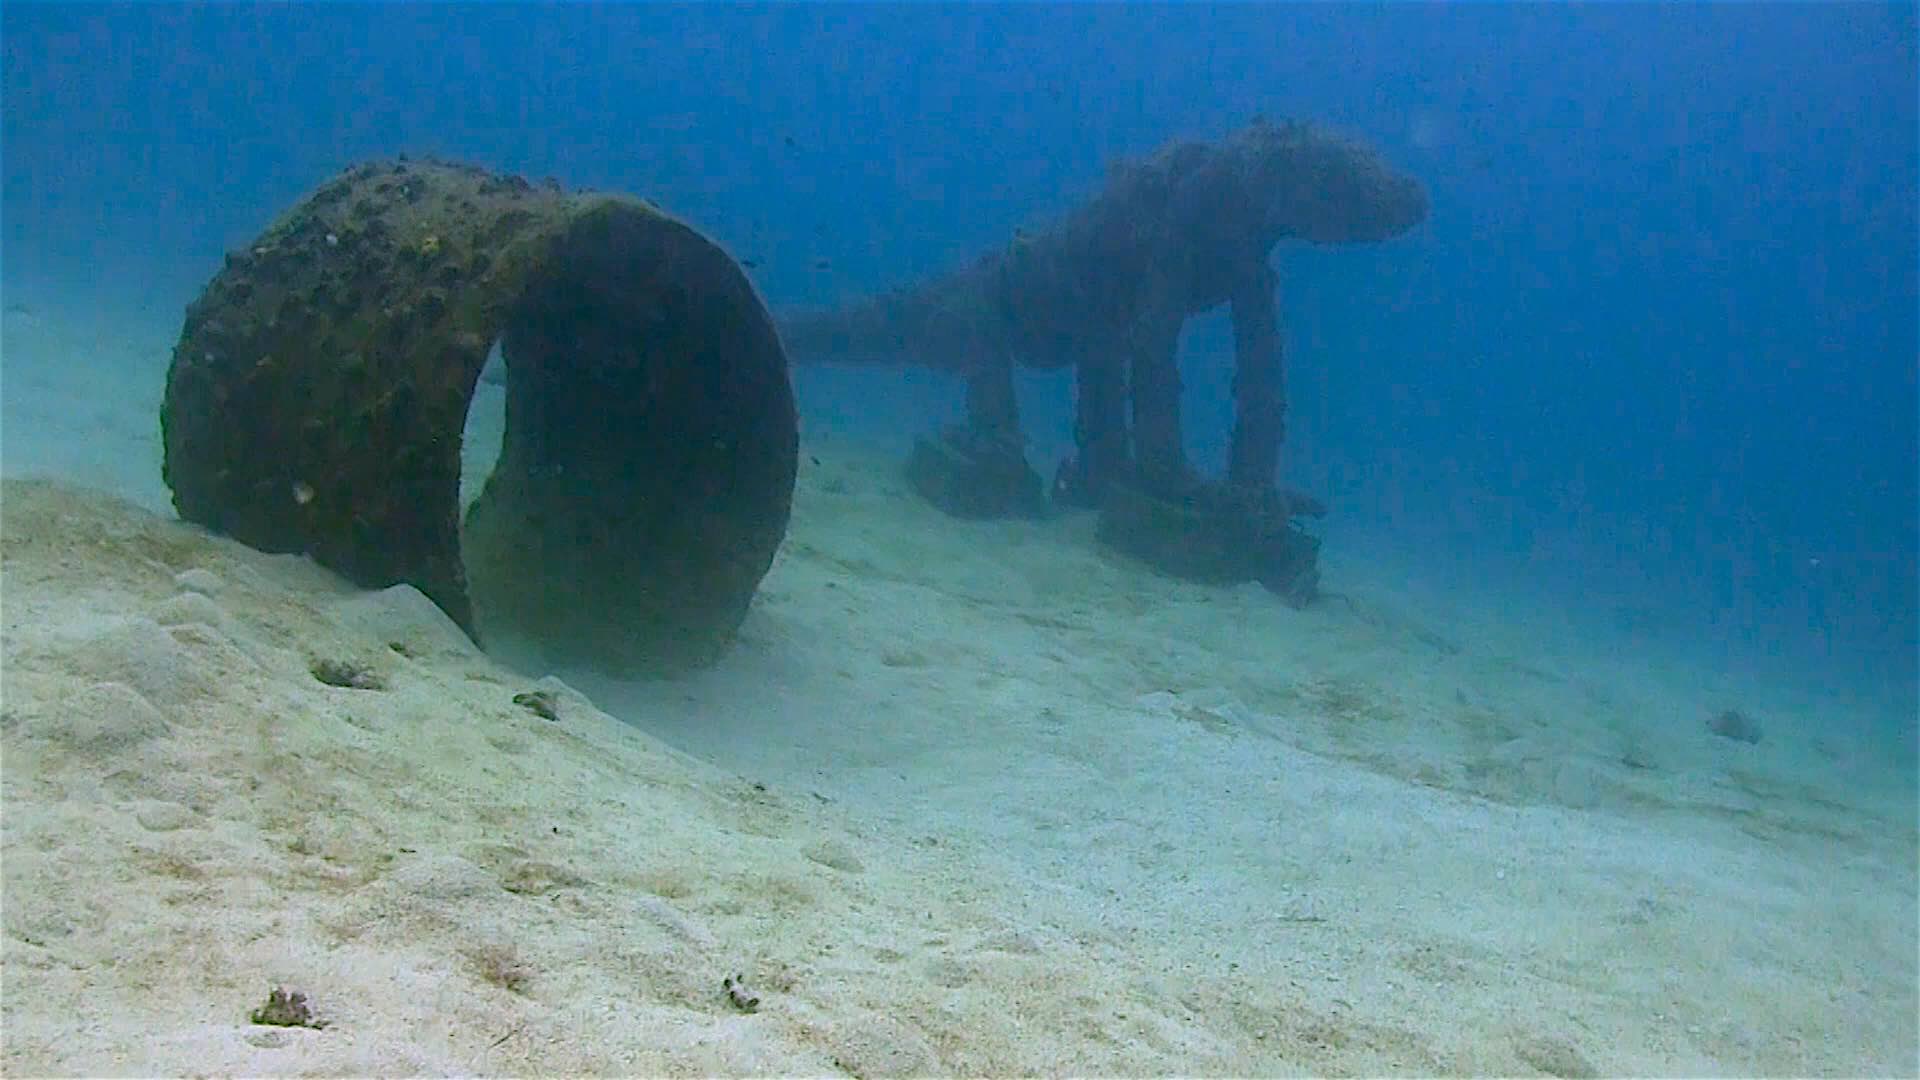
(318, 395)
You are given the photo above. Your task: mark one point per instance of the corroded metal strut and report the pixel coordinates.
(1107, 289)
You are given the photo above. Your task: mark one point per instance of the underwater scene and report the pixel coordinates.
(959, 539)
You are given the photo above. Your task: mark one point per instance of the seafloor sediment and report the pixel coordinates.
(977, 799)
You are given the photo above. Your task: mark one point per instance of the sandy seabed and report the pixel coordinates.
(966, 799)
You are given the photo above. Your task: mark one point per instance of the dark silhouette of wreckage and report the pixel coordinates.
(1106, 291)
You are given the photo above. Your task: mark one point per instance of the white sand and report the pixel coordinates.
(966, 799)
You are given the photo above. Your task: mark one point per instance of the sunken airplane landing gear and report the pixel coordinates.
(1217, 536)
(318, 395)
(1104, 291)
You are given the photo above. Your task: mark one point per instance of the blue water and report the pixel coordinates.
(1653, 359)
